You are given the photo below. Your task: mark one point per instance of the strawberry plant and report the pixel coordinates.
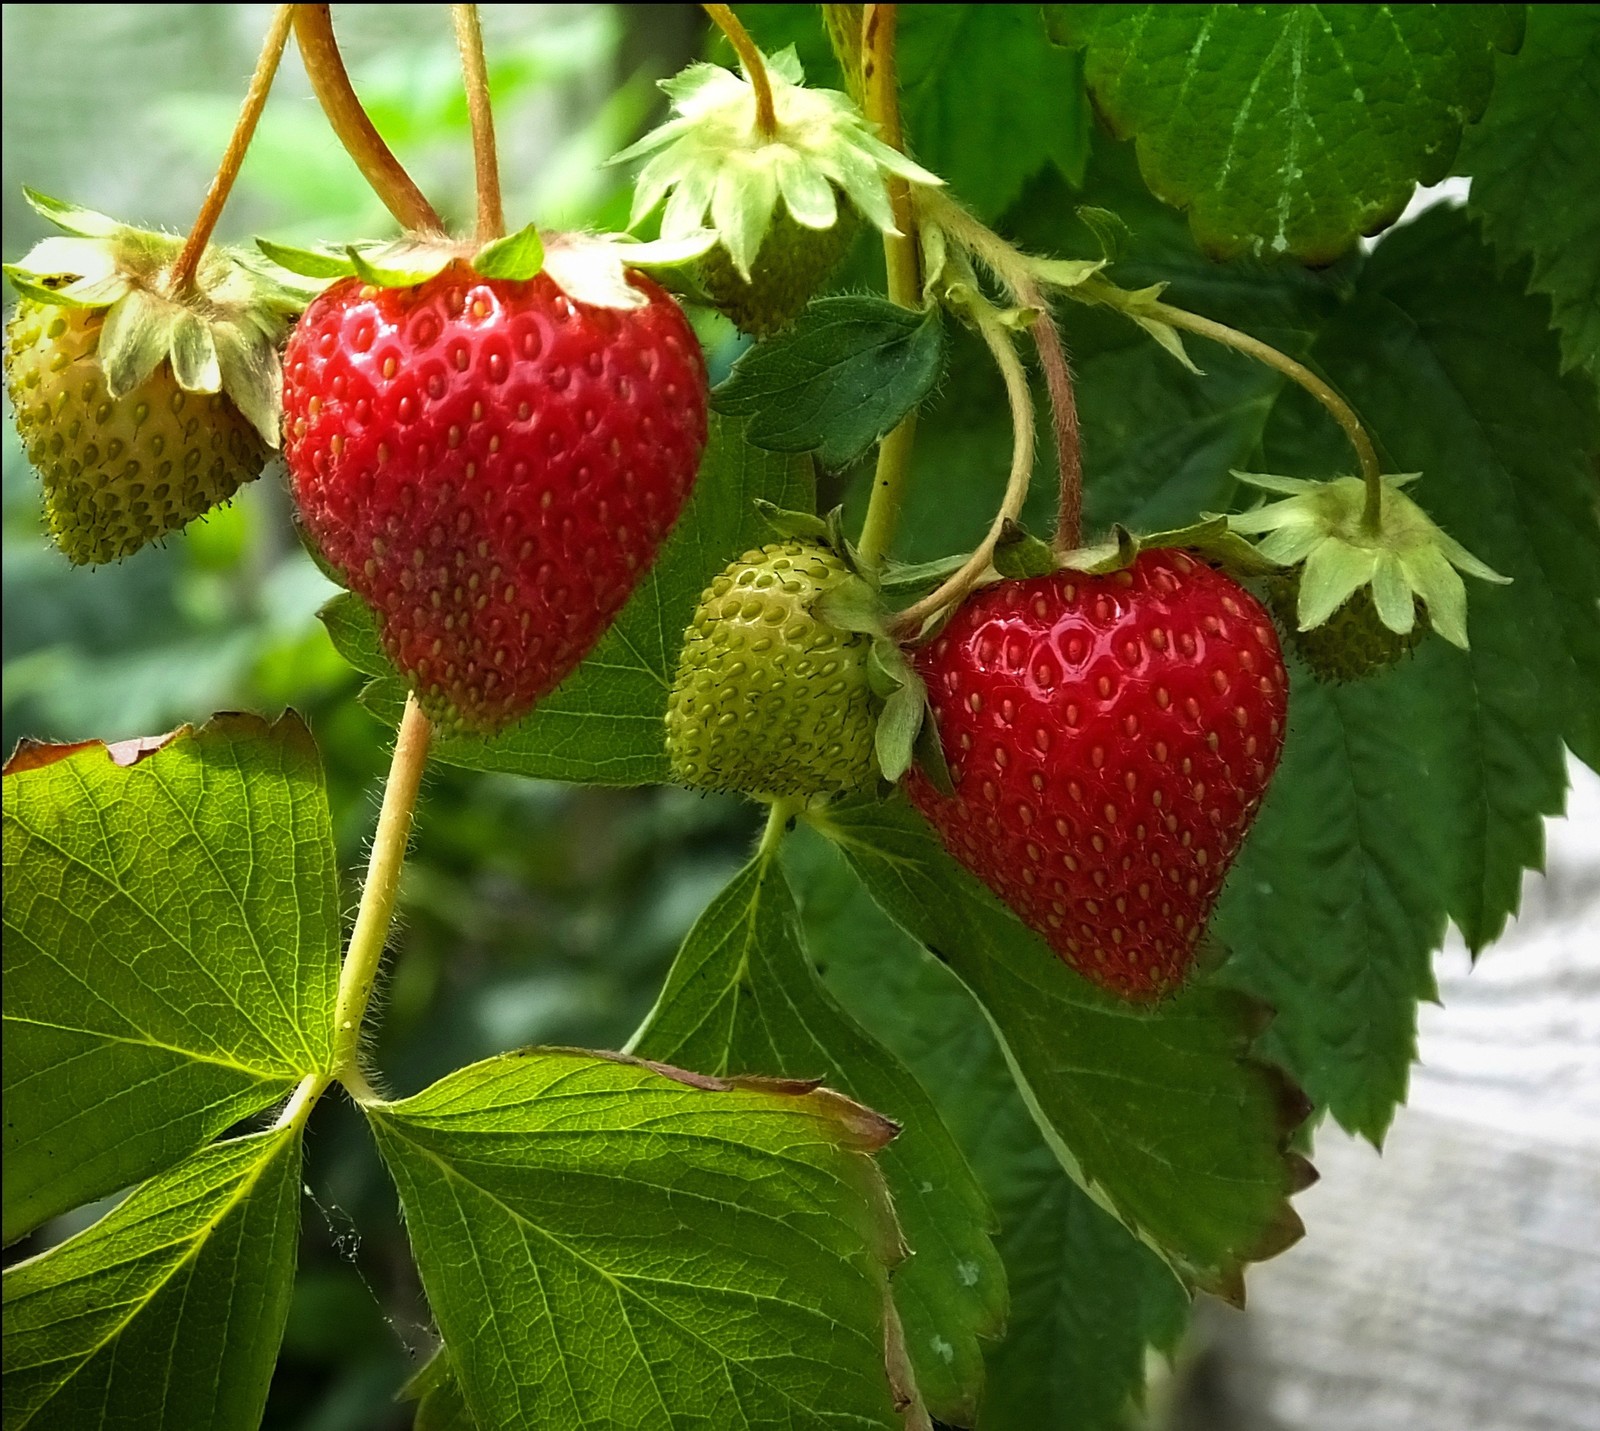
(1144, 593)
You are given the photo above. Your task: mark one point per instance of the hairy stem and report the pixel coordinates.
(778, 816)
(843, 24)
(882, 102)
(486, 166)
(255, 100)
(755, 68)
(955, 588)
(1015, 271)
(371, 930)
(1337, 407)
(313, 32)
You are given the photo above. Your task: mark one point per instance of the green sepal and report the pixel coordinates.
(1019, 554)
(1322, 528)
(517, 256)
(1110, 230)
(930, 757)
(895, 739)
(308, 262)
(852, 605)
(803, 526)
(888, 670)
(1113, 554)
(910, 579)
(86, 223)
(1215, 539)
(138, 333)
(401, 265)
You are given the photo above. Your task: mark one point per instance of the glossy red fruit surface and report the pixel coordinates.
(493, 468)
(1109, 738)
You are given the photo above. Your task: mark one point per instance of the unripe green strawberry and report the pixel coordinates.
(792, 264)
(117, 473)
(1350, 645)
(769, 699)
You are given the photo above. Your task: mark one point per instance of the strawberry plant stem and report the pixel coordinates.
(371, 930)
(188, 261)
(778, 816)
(1337, 407)
(955, 588)
(755, 68)
(313, 32)
(1014, 270)
(475, 74)
(882, 96)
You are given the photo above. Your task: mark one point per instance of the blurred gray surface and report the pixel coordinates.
(1451, 1283)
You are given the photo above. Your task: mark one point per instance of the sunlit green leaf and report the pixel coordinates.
(606, 1244)
(743, 998)
(169, 1310)
(171, 950)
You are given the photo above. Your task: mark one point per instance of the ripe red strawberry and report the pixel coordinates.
(492, 466)
(1109, 738)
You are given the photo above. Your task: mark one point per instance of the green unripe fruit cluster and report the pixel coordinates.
(117, 473)
(769, 699)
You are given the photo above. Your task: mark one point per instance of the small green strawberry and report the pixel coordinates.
(769, 698)
(1350, 645)
(141, 407)
(793, 263)
(783, 205)
(1358, 594)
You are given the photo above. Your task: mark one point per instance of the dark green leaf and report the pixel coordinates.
(1087, 1298)
(1532, 161)
(171, 950)
(169, 1310)
(743, 998)
(902, 720)
(606, 1244)
(1289, 129)
(846, 372)
(986, 101)
(1420, 795)
(1158, 1114)
(605, 724)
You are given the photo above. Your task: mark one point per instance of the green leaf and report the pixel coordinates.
(1157, 1114)
(836, 381)
(603, 1243)
(1289, 129)
(1532, 161)
(308, 262)
(605, 724)
(517, 256)
(985, 101)
(743, 998)
(1087, 1298)
(1420, 795)
(169, 1310)
(171, 950)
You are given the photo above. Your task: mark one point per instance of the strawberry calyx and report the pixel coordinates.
(589, 268)
(711, 157)
(219, 333)
(1406, 563)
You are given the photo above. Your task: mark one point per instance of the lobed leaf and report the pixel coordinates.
(837, 380)
(1158, 1114)
(1420, 795)
(605, 725)
(1087, 1298)
(170, 1309)
(1289, 129)
(606, 1242)
(744, 999)
(1532, 163)
(171, 950)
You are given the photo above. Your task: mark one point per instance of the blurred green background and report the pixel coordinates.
(531, 912)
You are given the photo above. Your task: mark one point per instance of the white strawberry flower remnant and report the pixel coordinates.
(713, 158)
(1406, 559)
